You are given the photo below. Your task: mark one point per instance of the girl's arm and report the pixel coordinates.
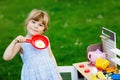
(13, 48)
(51, 54)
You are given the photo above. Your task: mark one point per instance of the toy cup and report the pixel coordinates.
(102, 63)
(38, 41)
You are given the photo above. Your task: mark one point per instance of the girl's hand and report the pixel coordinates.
(20, 39)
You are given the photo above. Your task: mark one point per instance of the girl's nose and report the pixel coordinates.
(35, 25)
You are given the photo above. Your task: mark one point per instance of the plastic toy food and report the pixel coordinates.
(102, 63)
(39, 44)
(111, 69)
(93, 55)
(94, 77)
(101, 76)
(38, 41)
(94, 70)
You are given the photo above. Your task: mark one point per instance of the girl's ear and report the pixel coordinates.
(45, 29)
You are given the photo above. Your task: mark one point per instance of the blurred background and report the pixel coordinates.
(74, 25)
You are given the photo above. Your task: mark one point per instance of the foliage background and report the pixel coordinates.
(74, 24)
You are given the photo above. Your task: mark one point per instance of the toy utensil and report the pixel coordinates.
(38, 41)
(115, 76)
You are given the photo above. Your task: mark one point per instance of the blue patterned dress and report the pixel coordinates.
(37, 64)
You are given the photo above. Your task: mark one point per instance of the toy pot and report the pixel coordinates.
(93, 55)
(38, 41)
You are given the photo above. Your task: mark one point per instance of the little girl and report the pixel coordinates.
(37, 64)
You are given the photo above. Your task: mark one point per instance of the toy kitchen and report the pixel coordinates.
(103, 59)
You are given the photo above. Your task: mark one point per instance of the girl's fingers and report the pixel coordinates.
(20, 39)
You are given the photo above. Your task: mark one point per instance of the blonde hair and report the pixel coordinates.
(38, 15)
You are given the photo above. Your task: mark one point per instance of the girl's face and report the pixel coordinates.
(35, 27)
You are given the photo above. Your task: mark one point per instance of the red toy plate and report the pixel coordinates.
(38, 41)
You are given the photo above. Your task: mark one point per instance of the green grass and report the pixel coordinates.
(74, 24)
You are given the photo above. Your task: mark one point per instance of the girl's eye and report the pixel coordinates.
(40, 25)
(33, 21)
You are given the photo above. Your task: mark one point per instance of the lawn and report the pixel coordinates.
(74, 24)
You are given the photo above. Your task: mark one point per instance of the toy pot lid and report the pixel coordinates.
(39, 41)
